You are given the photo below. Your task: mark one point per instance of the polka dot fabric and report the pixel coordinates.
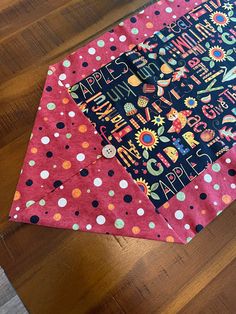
(65, 181)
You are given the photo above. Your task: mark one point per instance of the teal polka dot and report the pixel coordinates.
(29, 203)
(31, 163)
(68, 135)
(51, 106)
(119, 223)
(188, 239)
(111, 193)
(66, 63)
(75, 227)
(216, 167)
(216, 186)
(101, 43)
(151, 225)
(134, 31)
(180, 196)
(98, 58)
(42, 202)
(50, 72)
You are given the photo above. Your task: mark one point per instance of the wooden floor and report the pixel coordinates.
(59, 271)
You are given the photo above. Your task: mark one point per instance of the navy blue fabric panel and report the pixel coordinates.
(168, 105)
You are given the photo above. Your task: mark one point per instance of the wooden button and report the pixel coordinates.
(109, 151)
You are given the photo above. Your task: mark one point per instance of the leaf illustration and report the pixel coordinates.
(161, 130)
(155, 196)
(164, 139)
(154, 186)
(212, 64)
(74, 88)
(230, 58)
(74, 95)
(206, 59)
(233, 19)
(229, 52)
(219, 28)
(207, 45)
(145, 154)
(231, 13)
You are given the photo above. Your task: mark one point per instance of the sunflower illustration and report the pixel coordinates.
(228, 6)
(146, 138)
(158, 120)
(190, 102)
(219, 18)
(144, 186)
(217, 54)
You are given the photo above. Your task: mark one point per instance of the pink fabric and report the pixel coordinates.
(59, 196)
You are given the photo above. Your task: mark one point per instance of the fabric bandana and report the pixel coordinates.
(141, 143)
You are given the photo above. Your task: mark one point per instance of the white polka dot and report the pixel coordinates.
(207, 178)
(123, 184)
(112, 39)
(15, 216)
(88, 227)
(45, 140)
(186, 226)
(56, 134)
(17, 208)
(80, 157)
(92, 51)
(62, 77)
(196, 187)
(215, 203)
(121, 23)
(122, 38)
(97, 182)
(71, 114)
(62, 202)
(100, 220)
(179, 214)
(228, 160)
(233, 186)
(140, 211)
(44, 174)
(169, 10)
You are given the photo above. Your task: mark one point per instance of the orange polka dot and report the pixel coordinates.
(149, 25)
(135, 230)
(131, 46)
(85, 144)
(66, 164)
(203, 212)
(82, 128)
(17, 196)
(45, 118)
(76, 193)
(111, 206)
(170, 239)
(57, 217)
(34, 150)
(226, 199)
(166, 205)
(65, 100)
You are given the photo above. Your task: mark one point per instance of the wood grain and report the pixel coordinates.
(59, 271)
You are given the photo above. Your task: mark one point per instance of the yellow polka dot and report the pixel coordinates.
(226, 199)
(166, 205)
(34, 150)
(66, 164)
(82, 128)
(76, 193)
(17, 196)
(65, 100)
(85, 144)
(170, 239)
(111, 206)
(135, 230)
(149, 25)
(57, 217)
